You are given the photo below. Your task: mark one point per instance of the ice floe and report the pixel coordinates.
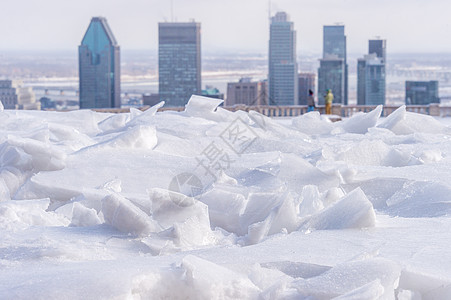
(212, 204)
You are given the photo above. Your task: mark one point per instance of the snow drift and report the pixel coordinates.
(207, 204)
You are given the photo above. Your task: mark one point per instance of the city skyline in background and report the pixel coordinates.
(52, 75)
(228, 25)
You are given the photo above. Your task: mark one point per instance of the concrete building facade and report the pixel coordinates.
(14, 95)
(247, 92)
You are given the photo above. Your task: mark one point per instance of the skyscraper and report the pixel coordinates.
(99, 67)
(333, 71)
(334, 41)
(371, 74)
(422, 92)
(379, 47)
(370, 80)
(331, 74)
(179, 62)
(283, 69)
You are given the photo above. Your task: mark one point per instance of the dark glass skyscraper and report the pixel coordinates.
(379, 47)
(331, 74)
(333, 71)
(370, 80)
(283, 69)
(334, 41)
(371, 74)
(99, 67)
(422, 92)
(179, 62)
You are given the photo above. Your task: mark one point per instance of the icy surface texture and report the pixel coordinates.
(213, 204)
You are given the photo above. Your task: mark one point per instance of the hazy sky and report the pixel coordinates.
(230, 25)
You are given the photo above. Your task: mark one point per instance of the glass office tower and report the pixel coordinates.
(422, 92)
(333, 71)
(371, 75)
(331, 75)
(334, 41)
(379, 47)
(179, 62)
(370, 80)
(99, 67)
(283, 69)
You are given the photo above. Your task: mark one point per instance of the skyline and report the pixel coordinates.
(409, 26)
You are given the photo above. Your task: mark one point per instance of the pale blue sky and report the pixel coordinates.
(231, 25)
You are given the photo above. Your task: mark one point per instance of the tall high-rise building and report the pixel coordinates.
(379, 47)
(283, 68)
(422, 92)
(331, 74)
(333, 71)
(179, 62)
(14, 95)
(334, 41)
(306, 83)
(371, 80)
(371, 74)
(99, 67)
(247, 92)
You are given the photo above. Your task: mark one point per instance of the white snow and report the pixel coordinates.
(212, 204)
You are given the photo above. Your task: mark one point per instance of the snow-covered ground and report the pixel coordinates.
(209, 204)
